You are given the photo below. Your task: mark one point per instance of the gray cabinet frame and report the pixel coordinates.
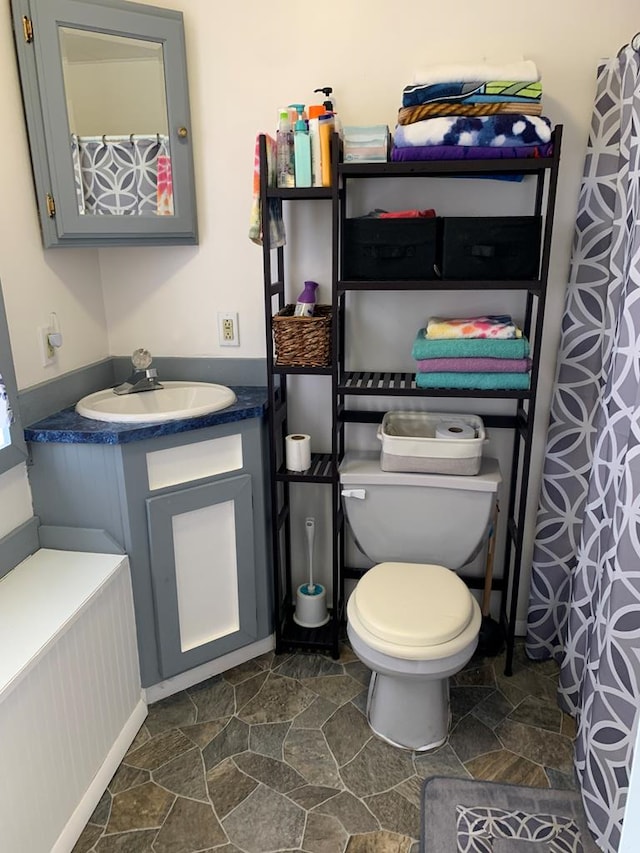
(42, 81)
(160, 512)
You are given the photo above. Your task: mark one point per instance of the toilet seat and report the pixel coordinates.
(414, 611)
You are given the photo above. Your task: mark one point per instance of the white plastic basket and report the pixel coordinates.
(409, 443)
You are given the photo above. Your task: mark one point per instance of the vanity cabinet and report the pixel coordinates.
(106, 101)
(189, 509)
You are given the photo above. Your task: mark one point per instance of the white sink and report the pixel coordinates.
(174, 401)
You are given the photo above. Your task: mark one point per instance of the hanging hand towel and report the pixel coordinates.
(274, 205)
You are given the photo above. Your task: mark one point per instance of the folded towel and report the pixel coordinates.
(470, 152)
(476, 92)
(274, 205)
(474, 381)
(409, 115)
(473, 365)
(494, 131)
(487, 326)
(468, 348)
(523, 70)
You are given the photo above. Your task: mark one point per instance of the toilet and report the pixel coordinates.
(410, 619)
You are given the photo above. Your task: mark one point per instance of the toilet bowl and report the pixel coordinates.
(411, 620)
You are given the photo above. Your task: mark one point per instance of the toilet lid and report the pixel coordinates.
(413, 604)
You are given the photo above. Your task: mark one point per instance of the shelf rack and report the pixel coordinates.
(346, 384)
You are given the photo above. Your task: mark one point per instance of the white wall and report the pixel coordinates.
(245, 61)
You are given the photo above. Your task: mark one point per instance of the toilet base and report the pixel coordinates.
(410, 713)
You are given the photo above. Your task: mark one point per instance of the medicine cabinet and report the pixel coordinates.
(106, 100)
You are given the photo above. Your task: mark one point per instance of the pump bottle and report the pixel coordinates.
(302, 149)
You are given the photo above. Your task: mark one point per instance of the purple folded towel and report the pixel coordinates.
(471, 152)
(474, 365)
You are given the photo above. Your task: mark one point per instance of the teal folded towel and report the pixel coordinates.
(468, 348)
(474, 381)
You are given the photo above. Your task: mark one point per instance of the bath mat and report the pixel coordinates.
(469, 816)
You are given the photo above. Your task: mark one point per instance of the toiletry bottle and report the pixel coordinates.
(307, 300)
(315, 110)
(326, 125)
(329, 104)
(284, 152)
(302, 150)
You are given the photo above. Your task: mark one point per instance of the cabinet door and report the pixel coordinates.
(106, 99)
(203, 572)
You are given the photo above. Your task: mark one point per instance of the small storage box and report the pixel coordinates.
(409, 443)
(388, 249)
(302, 341)
(498, 248)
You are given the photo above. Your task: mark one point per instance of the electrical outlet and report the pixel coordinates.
(228, 329)
(47, 352)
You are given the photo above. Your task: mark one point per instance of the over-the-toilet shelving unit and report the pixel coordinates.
(348, 384)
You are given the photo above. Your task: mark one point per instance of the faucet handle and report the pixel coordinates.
(141, 358)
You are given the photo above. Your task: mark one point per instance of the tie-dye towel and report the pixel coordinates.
(483, 131)
(496, 326)
(475, 92)
(273, 216)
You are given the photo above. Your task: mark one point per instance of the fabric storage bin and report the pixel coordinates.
(410, 444)
(388, 249)
(302, 341)
(498, 248)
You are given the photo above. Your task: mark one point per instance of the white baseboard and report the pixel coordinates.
(200, 673)
(78, 820)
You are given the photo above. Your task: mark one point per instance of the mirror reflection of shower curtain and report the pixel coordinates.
(123, 175)
(6, 416)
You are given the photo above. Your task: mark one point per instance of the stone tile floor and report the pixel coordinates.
(276, 755)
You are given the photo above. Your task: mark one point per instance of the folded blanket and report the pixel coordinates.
(524, 70)
(473, 381)
(473, 365)
(493, 131)
(274, 205)
(470, 152)
(474, 92)
(468, 348)
(408, 115)
(499, 326)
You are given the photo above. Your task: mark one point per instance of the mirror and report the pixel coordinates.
(106, 101)
(118, 127)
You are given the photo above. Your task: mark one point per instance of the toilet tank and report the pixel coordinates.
(416, 518)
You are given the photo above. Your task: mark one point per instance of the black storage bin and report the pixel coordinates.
(389, 249)
(499, 248)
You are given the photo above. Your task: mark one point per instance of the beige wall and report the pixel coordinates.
(245, 60)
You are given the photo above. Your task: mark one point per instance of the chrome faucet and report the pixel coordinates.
(143, 378)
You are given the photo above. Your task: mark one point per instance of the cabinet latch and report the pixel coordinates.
(51, 206)
(27, 29)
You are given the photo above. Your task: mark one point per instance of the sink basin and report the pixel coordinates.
(174, 401)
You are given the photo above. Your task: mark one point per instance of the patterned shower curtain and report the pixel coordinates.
(123, 175)
(584, 606)
(6, 415)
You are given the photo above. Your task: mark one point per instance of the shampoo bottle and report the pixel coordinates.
(302, 150)
(284, 152)
(307, 300)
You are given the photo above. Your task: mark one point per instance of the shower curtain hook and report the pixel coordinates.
(635, 42)
(157, 139)
(131, 139)
(104, 139)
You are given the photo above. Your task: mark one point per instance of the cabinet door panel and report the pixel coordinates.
(203, 572)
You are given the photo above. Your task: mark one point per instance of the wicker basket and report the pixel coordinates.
(303, 341)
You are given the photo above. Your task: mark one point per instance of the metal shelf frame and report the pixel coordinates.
(346, 384)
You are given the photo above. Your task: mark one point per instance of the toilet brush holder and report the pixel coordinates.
(311, 606)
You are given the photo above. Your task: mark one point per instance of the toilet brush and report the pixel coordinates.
(311, 597)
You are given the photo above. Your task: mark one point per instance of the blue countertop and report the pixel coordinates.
(67, 427)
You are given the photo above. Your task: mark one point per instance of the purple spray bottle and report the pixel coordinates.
(307, 300)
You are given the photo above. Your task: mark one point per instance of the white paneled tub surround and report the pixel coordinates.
(70, 695)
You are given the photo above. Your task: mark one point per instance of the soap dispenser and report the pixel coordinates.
(302, 149)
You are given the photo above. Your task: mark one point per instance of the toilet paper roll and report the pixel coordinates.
(454, 429)
(298, 452)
